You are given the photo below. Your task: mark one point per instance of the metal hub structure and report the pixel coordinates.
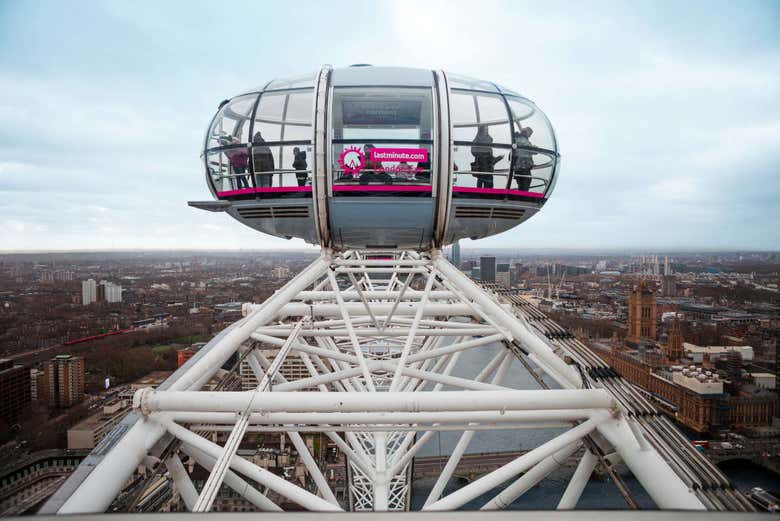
(381, 335)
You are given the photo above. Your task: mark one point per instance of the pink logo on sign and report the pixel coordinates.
(415, 155)
(352, 160)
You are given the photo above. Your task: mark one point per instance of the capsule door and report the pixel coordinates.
(382, 166)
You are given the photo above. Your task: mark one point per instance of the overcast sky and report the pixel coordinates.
(667, 114)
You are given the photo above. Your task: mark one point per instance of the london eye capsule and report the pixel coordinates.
(380, 157)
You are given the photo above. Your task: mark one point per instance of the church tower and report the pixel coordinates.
(641, 314)
(674, 349)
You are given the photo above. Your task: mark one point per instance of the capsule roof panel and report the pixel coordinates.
(369, 75)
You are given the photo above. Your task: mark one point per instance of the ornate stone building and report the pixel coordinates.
(674, 349)
(641, 314)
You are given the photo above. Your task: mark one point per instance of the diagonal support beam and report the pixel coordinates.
(217, 475)
(484, 484)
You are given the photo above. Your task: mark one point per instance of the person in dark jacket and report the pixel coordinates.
(263, 160)
(484, 161)
(522, 159)
(299, 164)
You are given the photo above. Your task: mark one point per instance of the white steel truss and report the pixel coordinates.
(380, 335)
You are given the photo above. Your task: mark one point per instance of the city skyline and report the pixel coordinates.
(667, 115)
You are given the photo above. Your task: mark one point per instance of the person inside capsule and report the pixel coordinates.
(522, 159)
(299, 165)
(484, 161)
(263, 160)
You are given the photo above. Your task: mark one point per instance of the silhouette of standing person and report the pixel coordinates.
(522, 159)
(484, 161)
(263, 159)
(299, 164)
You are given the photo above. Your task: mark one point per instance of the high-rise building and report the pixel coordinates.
(668, 282)
(64, 380)
(14, 390)
(487, 269)
(668, 286)
(502, 275)
(641, 314)
(36, 384)
(456, 254)
(88, 292)
(109, 292)
(64, 275)
(292, 368)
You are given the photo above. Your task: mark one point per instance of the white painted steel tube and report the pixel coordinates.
(300, 346)
(534, 475)
(391, 418)
(352, 295)
(260, 315)
(449, 468)
(389, 269)
(373, 332)
(311, 466)
(431, 376)
(354, 457)
(279, 485)
(412, 333)
(499, 360)
(182, 481)
(452, 348)
(486, 483)
(381, 479)
(380, 262)
(578, 481)
(345, 315)
(656, 476)
(450, 427)
(106, 480)
(233, 480)
(520, 331)
(357, 309)
(150, 400)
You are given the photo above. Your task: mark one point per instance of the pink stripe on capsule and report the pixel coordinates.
(496, 191)
(265, 190)
(381, 188)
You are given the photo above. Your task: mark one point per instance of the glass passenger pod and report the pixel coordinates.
(259, 145)
(503, 146)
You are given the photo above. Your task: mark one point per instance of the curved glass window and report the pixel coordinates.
(228, 169)
(535, 150)
(295, 82)
(270, 152)
(502, 144)
(231, 125)
(227, 155)
(382, 139)
(526, 115)
(456, 81)
(482, 140)
(281, 140)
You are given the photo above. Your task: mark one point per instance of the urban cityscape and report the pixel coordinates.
(696, 332)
